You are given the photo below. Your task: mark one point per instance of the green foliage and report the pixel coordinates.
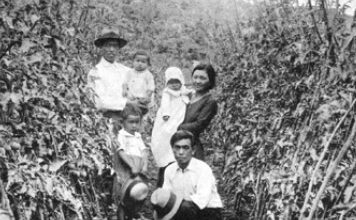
(50, 135)
(288, 80)
(286, 93)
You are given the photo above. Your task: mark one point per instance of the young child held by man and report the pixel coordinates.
(129, 154)
(140, 86)
(169, 116)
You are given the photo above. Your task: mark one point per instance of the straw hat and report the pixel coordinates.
(134, 190)
(165, 203)
(109, 35)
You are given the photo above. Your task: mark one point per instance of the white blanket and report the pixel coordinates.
(173, 104)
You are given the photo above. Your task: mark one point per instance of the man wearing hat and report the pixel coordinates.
(189, 184)
(108, 76)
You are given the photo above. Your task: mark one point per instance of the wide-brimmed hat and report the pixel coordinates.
(109, 35)
(134, 190)
(165, 204)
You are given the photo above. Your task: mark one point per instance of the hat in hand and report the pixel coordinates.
(109, 35)
(165, 204)
(134, 190)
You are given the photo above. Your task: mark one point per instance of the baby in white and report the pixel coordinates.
(169, 116)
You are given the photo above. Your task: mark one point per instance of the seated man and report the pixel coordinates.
(193, 180)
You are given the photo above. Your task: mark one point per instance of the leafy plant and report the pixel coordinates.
(52, 137)
(283, 137)
(287, 106)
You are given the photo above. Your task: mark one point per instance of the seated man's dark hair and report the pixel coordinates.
(182, 134)
(131, 109)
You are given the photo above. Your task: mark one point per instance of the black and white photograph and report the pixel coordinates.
(177, 109)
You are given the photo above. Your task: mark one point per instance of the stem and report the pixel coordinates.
(259, 194)
(97, 206)
(237, 201)
(321, 158)
(353, 168)
(326, 20)
(5, 200)
(264, 199)
(314, 21)
(332, 169)
(11, 44)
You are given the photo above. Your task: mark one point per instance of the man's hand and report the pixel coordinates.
(188, 210)
(165, 117)
(189, 205)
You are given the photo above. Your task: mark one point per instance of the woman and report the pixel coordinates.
(202, 107)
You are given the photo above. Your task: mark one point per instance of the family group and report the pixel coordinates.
(186, 187)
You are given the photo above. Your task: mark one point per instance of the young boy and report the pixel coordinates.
(140, 85)
(129, 154)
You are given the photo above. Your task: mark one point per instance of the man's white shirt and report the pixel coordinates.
(106, 79)
(195, 183)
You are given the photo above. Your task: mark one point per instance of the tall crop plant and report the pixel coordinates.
(51, 139)
(285, 129)
(286, 123)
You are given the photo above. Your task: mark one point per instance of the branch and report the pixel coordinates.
(326, 21)
(321, 158)
(11, 44)
(353, 168)
(314, 21)
(332, 168)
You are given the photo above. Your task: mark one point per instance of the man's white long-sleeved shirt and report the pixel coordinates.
(195, 183)
(106, 79)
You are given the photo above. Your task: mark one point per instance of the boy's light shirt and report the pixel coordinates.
(106, 79)
(131, 144)
(140, 83)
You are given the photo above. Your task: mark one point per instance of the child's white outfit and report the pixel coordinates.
(131, 144)
(173, 104)
(139, 83)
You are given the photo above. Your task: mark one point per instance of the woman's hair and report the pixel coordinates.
(131, 109)
(182, 134)
(209, 71)
(143, 53)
